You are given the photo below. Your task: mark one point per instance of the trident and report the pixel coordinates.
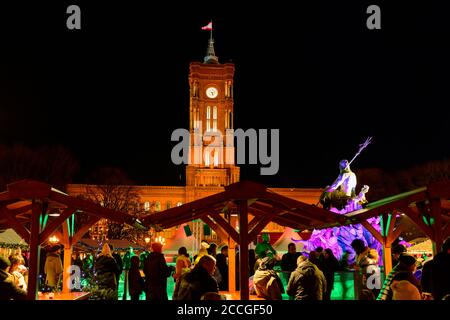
(361, 148)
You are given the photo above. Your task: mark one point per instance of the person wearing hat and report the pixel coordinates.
(406, 264)
(53, 267)
(396, 252)
(156, 273)
(436, 275)
(8, 290)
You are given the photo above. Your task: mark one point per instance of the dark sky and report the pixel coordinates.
(114, 91)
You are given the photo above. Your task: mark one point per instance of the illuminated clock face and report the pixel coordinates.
(211, 92)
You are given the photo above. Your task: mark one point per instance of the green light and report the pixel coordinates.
(388, 224)
(425, 221)
(45, 221)
(382, 225)
(431, 221)
(73, 225)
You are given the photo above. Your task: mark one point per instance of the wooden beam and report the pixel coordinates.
(15, 224)
(226, 226)
(217, 229)
(254, 221)
(373, 231)
(414, 216)
(396, 233)
(20, 210)
(243, 249)
(35, 250)
(263, 222)
(91, 208)
(52, 226)
(85, 228)
(174, 221)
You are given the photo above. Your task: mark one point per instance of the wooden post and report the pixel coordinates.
(66, 270)
(231, 265)
(387, 258)
(67, 257)
(243, 249)
(35, 250)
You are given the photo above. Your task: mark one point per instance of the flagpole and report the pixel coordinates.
(211, 37)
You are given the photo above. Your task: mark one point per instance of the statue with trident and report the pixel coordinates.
(341, 194)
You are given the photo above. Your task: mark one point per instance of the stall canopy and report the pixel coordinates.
(36, 211)
(428, 207)
(228, 211)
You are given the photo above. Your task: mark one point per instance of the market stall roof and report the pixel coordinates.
(35, 211)
(428, 207)
(263, 204)
(26, 197)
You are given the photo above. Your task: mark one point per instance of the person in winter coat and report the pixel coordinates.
(53, 267)
(403, 289)
(266, 281)
(307, 282)
(367, 264)
(406, 263)
(222, 265)
(8, 289)
(183, 263)
(119, 263)
(330, 266)
(194, 284)
(15, 270)
(135, 280)
(436, 275)
(106, 269)
(156, 273)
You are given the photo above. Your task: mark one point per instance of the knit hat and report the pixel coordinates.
(407, 260)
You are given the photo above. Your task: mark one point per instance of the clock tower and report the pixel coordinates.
(211, 154)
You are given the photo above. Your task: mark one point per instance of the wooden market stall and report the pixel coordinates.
(249, 207)
(428, 207)
(36, 211)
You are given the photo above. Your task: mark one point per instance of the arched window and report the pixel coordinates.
(146, 206)
(157, 206)
(208, 118)
(215, 118)
(169, 205)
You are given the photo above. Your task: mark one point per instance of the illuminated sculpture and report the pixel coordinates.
(341, 198)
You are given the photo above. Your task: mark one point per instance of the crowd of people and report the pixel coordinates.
(301, 276)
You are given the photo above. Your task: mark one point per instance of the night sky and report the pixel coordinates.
(113, 92)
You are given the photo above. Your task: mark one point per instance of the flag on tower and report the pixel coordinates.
(208, 26)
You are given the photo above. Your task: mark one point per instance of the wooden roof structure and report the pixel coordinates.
(35, 211)
(237, 202)
(264, 205)
(428, 207)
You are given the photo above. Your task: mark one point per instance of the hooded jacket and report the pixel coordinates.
(194, 284)
(404, 290)
(266, 281)
(307, 282)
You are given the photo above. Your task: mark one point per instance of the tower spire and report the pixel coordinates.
(210, 53)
